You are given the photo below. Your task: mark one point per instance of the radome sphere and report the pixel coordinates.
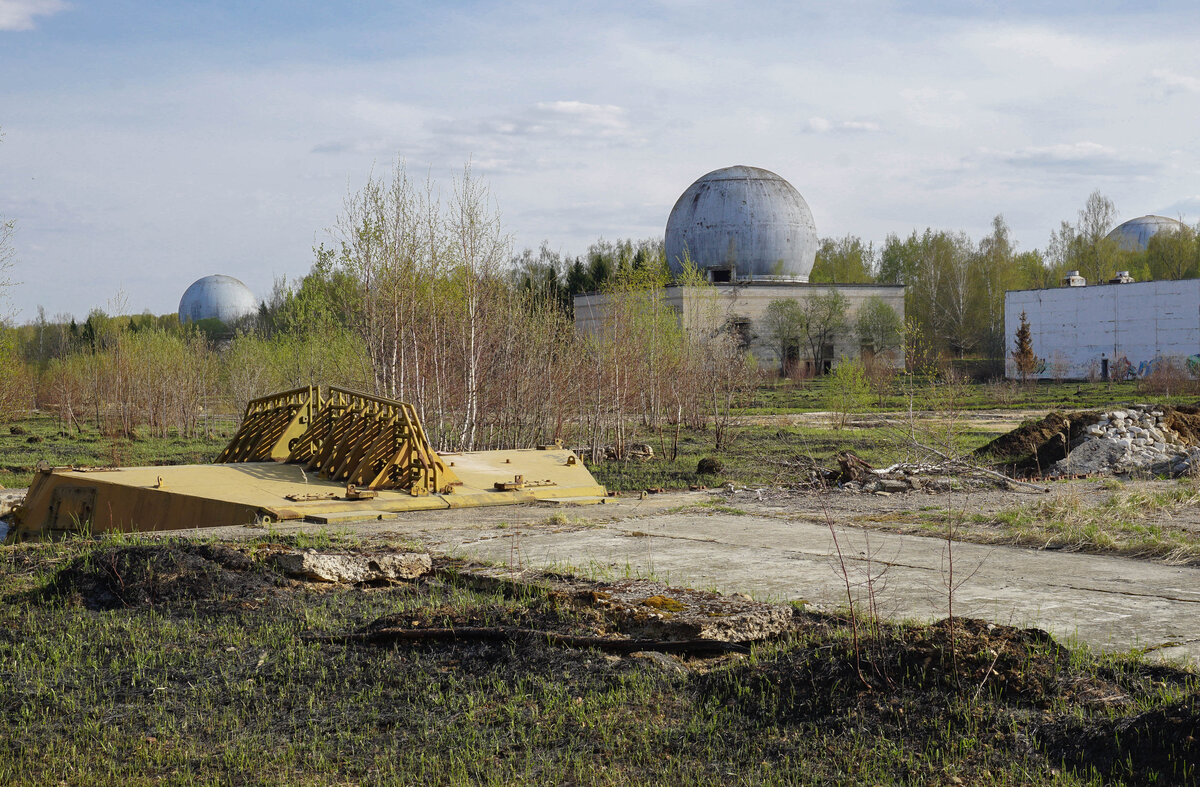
(1135, 234)
(216, 297)
(745, 220)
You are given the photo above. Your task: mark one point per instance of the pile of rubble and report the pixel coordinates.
(1140, 439)
(612, 453)
(1137, 439)
(855, 475)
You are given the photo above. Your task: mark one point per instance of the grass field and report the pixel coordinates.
(760, 453)
(757, 454)
(782, 454)
(140, 662)
(37, 438)
(819, 394)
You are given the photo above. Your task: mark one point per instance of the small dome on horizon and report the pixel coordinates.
(217, 297)
(1135, 234)
(746, 219)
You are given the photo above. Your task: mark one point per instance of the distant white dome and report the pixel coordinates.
(1135, 234)
(217, 297)
(746, 219)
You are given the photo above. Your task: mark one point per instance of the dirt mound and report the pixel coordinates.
(1185, 420)
(171, 574)
(1036, 445)
(1013, 666)
(1159, 746)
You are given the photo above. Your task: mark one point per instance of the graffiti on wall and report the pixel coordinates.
(1147, 368)
(1123, 369)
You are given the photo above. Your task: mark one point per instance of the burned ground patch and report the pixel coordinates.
(256, 695)
(1016, 695)
(1158, 746)
(170, 574)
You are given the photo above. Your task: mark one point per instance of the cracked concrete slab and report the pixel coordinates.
(787, 554)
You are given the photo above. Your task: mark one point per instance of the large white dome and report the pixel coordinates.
(217, 297)
(1135, 234)
(746, 220)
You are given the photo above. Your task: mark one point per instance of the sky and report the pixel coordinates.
(148, 144)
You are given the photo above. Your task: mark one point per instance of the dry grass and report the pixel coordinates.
(1131, 522)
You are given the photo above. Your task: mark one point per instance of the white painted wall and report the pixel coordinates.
(1075, 328)
(750, 302)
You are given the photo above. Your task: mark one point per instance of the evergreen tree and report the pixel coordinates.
(1023, 356)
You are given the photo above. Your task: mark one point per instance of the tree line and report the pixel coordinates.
(418, 296)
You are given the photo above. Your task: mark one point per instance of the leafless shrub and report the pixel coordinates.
(1167, 378)
(1060, 366)
(881, 376)
(1003, 392)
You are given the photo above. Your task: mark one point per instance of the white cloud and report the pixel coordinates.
(1076, 151)
(820, 125)
(1089, 159)
(1038, 43)
(545, 121)
(935, 107)
(19, 14)
(1170, 82)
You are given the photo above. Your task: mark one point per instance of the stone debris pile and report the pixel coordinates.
(906, 478)
(856, 475)
(1137, 439)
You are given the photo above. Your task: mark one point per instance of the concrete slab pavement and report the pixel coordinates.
(1107, 602)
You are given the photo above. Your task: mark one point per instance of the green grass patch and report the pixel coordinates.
(782, 455)
(223, 684)
(39, 438)
(820, 394)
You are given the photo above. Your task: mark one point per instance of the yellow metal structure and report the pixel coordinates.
(323, 456)
(271, 425)
(371, 443)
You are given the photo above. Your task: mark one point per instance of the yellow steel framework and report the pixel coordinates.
(270, 426)
(372, 443)
(366, 441)
(316, 454)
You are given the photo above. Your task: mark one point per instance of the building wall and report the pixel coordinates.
(749, 302)
(1075, 330)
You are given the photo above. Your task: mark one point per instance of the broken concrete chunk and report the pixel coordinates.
(10, 499)
(349, 567)
(1093, 457)
(696, 614)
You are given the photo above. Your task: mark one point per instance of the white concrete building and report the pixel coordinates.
(1107, 331)
(751, 235)
(742, 309)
